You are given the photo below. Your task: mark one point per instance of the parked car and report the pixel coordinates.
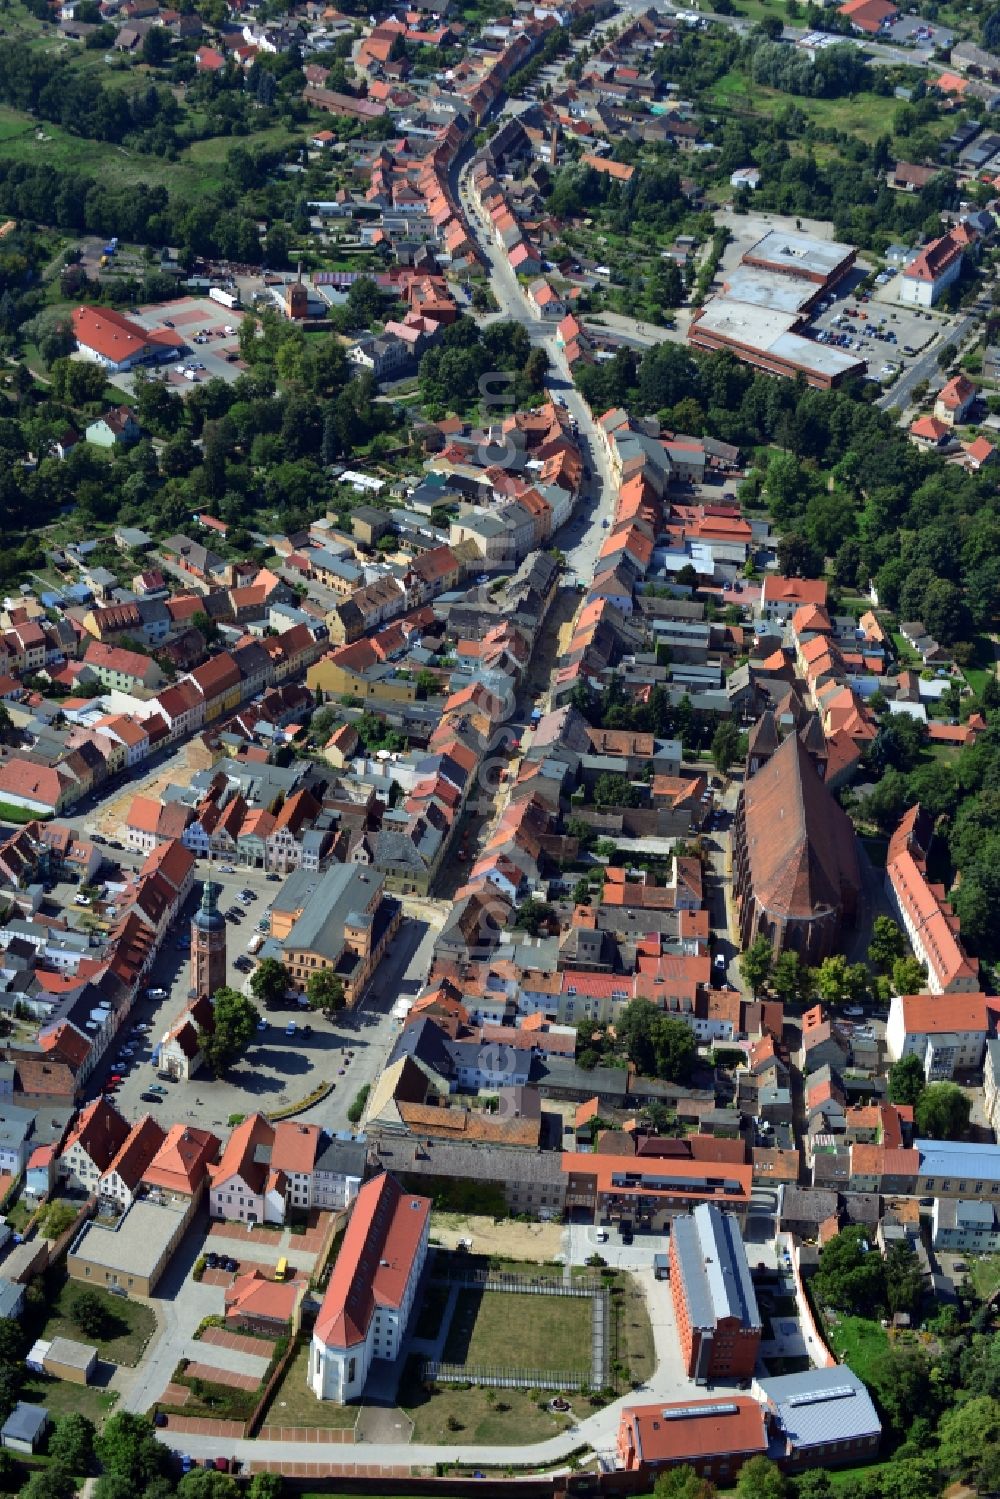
(212, 1260)
(150, 1097)
(290, 1028)
(228, 868)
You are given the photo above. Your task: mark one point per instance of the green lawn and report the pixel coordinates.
(61, 1398)
(130, 1325)
(984, 1273)
(497, 1417)
(866, 115)
(198, 169)
(858, 1342)
(294, 1404)
(492, 1328)
(636, 1349)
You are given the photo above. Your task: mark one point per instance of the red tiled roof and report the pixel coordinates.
(375, 1261)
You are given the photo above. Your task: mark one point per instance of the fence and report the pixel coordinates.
(521, 1285)
(500, 1378)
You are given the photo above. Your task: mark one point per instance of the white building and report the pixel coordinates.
(370, 1296)
(963, 1227)
(946, 1033)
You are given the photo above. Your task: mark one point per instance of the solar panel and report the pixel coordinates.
(819, 1397)
(683, 1412)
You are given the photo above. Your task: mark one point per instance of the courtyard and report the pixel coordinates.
(497, 1329)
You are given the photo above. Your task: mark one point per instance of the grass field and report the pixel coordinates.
(636, 1349)
(130, 1325)
(496, 1417)
(61, 1398)
(866, 115)
(984, 1273)
(294, 1404)
(198, 169)
(492, 1328)
(858, 1342)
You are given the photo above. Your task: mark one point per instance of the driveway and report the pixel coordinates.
(180, 1305)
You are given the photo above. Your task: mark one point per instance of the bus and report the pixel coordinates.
(281, 1269)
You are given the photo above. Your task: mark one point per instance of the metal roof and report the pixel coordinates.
(714, 1268)
(950, 1158)
(821, 1405)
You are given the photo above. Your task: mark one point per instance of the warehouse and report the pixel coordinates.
(769, 341)
(823, 262)
(766, 303)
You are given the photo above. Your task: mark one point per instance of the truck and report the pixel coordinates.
(230, 299)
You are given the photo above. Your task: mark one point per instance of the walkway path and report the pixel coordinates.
(599, 1431)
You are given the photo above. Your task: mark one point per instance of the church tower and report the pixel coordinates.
(208, 944)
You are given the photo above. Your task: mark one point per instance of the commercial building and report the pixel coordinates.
(821, 262)
(718, 1323)
(368, 1302)
(345, 922)
(766, 303)
(117, 343)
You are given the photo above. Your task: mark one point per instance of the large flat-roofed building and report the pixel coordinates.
(776, 293)
(822, 261)
(767, 339)
(766, 302)
(133, 1254)
(718, 1323)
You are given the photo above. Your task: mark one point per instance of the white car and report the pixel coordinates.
(81, 900)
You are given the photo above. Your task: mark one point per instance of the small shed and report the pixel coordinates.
(67, 1359)
(661, 1267)
(25, 1428)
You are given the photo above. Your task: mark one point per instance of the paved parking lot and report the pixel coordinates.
(870, 327)
(278, 1068)
(201, 324)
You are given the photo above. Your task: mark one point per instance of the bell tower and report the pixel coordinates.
(208, 944)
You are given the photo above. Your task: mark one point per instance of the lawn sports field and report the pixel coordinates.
(500, 1329)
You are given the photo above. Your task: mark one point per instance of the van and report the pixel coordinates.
(281, 1269)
